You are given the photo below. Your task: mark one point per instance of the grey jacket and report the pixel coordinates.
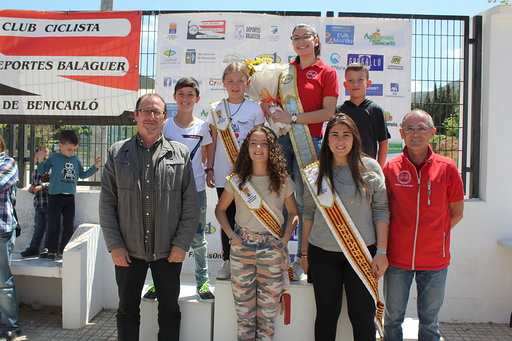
(120, 207)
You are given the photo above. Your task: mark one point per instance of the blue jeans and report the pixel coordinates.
(8, 300)
(40, 227)
(430, 286)
(293, 168)
(199, 244)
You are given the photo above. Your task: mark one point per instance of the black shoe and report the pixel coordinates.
(30, 252)
(43, 253)
(150, 295)
(10, 335)
(51, 255)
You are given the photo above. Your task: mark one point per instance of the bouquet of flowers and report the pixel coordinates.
(264, 87)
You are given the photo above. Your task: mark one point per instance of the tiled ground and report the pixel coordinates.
(45, 325)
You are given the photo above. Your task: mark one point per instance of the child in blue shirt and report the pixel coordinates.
(65, 168)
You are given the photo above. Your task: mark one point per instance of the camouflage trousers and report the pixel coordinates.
(258, 267)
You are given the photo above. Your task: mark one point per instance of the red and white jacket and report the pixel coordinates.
(419, 229)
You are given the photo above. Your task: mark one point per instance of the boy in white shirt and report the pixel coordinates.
(195, 134)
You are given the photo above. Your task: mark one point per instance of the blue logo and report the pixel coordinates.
(375, 62)
(172, 109)
(395, 87)
(375, 90)
(167, 82)
(335, 58)
(339, 34)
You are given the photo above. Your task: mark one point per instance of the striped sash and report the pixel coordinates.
(257, 205)
(299, 134)
(346, 234)
(221, 119)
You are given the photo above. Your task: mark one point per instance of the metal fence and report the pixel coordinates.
(440, 74)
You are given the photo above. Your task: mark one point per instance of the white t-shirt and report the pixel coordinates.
(194, 137)
(244, 117)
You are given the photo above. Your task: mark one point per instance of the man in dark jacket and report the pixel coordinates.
(149, 212)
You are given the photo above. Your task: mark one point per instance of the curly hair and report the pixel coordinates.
(355, 162)
(277, 169)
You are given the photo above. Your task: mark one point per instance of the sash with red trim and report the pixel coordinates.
(221, 119)
(300, 135)
(346, 234)
(257, 205)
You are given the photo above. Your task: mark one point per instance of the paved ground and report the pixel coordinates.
(45, 325)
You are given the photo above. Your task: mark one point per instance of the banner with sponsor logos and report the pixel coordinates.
(201, 45)
(68, 63)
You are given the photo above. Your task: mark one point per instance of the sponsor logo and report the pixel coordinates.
(311, 74)
(274, 33)
(339, 34)
(204, 113)
(395, 63)
(172, 109)
(272, 58)
(404, 177)
(168, 82)
(231, 58)
(206, 30)
(215, 84)
(394, 87)
(291, 58)
(190, 56)
(335, 58)
(171, 57)
(375, 62)
(373, 90)
(378, 39)
(210, 229)
(388, 116)
(239, 32)
(173, 28)
(252, 32)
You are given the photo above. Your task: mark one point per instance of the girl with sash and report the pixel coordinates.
(230, 121)
(308, 92)
(260, 188)
(345, 233)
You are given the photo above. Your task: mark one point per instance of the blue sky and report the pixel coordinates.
(446, 7)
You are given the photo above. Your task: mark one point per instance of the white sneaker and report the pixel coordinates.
(224, 271)
(297, 269)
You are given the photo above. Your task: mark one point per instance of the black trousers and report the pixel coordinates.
(230, 212)
(331, 272)
(60, 204)
(130, 281)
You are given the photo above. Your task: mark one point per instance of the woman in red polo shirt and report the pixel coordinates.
(317, 88)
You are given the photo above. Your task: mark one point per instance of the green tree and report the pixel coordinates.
(504, 2)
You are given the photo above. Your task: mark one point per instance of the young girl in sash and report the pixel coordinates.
(314, 87)
(335, 259)
(234, 117)
(260, 187)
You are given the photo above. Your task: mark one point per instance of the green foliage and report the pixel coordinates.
(504, 2)
(443, 104)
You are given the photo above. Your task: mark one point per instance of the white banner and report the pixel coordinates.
(201, 45)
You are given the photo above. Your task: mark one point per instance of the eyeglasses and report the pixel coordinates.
(147, 112)
(419, 130)
(299, 38)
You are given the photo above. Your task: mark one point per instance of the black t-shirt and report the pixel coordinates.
(370, 121)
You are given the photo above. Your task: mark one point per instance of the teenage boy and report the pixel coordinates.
(368, 115)
(65, 168)
(195, 134)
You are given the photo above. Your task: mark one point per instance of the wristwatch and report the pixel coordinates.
(294, 118)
